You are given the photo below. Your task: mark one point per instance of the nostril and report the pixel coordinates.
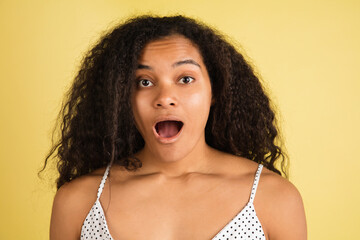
(159, 104)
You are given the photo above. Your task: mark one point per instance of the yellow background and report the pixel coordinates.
(306, 51)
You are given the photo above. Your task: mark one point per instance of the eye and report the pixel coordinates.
(145, 83)
(186, 80)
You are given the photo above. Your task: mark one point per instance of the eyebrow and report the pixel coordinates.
(187, 61)
(179, 63)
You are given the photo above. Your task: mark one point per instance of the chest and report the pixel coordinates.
(174, 210)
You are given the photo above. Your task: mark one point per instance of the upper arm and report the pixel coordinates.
(63, 224)
(287, 213)
(70, 207)
(289, 220)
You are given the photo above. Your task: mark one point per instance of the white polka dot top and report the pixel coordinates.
(245, 225)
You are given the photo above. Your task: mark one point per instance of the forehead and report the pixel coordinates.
(175, 46)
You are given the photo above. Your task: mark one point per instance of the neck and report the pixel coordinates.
(196, 161)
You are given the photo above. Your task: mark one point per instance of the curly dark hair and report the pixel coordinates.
(97, 123)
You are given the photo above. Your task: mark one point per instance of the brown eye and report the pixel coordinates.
(186, 80)
(145, 83)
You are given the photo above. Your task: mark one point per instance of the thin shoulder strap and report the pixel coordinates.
(103, 180)
(256, 182)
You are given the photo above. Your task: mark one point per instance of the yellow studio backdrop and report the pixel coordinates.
(307, 52)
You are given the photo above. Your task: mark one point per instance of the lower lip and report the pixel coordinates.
(167, 140)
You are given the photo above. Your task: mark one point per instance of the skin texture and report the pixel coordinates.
(168, 95)
(214, 186)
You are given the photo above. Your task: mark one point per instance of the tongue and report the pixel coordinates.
(167, 129)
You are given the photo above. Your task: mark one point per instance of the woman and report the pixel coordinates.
(164, 136)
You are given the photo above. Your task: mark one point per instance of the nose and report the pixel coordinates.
(165, 98)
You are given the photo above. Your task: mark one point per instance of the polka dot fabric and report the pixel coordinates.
(95, 226)
(245, 225)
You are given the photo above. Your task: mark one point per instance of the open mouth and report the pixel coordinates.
(168, 129)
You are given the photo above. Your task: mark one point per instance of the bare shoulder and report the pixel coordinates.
(278, 202)
(279, 206)
(279, 188)
(72, 203)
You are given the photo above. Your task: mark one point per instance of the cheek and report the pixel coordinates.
(198, 106)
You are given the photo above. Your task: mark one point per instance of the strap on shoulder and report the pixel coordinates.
(103, 180)
(256, 182)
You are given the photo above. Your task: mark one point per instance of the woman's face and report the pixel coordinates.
(172, 98)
